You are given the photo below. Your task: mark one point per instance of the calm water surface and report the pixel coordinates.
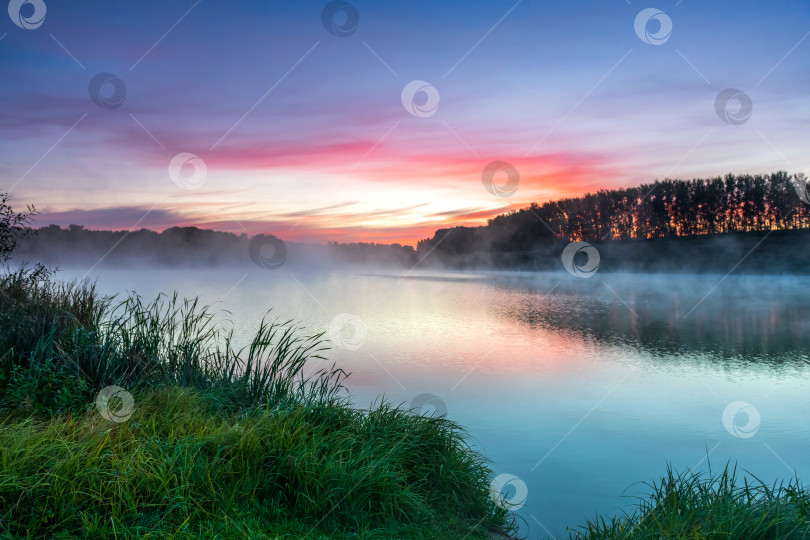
(582, 389)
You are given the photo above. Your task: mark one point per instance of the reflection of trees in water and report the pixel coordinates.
(766, 317)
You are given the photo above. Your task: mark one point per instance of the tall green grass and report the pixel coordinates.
(711, 506)
(222, 442)
(57, 338)
(179, 465)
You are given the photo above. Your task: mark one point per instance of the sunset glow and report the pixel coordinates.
(304, 133)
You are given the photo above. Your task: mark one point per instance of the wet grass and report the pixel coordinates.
(254, 442)
(711, 506)
(180, 466)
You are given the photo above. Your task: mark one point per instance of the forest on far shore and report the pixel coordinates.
(664, 209)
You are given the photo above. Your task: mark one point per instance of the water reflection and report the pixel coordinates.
(750, 318)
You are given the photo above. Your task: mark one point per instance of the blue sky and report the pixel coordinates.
(303, 133)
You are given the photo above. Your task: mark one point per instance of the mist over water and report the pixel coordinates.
(580, 387)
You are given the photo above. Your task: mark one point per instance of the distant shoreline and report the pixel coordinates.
(771, 252)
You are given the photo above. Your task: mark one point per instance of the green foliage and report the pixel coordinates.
(710, 506)
(179, 464)
(43, 387)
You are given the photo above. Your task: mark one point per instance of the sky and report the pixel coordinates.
(384, 121)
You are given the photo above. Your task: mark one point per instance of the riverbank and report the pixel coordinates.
(774, 252)
(180, 465)
(138, 419)
(755, 252)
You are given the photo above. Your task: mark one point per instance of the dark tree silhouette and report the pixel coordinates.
(13, 227)
(178, 246)
(664, 209)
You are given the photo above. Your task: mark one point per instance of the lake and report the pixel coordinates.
(580, 388)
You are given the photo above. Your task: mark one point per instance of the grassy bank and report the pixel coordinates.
(711, 506)
(179, 465)
(221, 442)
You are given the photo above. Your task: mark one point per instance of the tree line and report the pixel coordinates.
(663, 209)
(179, 246)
